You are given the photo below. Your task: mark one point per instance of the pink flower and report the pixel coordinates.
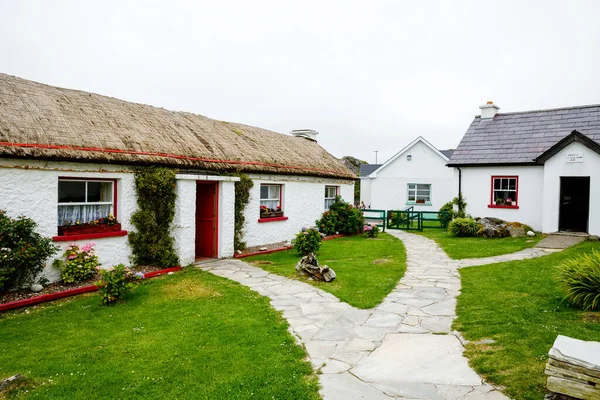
(71, 256)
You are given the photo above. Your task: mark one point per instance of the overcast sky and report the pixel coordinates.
(366, 75)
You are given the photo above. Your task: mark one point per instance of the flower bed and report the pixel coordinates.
(58, 290)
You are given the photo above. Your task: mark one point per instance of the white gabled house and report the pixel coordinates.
(67, 155)
(540, 167)
(416, 176)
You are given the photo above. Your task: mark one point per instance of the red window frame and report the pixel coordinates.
(493, 200)
(272, 218)
(99, 234)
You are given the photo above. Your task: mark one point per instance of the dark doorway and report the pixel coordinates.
(206, 219)
(574, 204)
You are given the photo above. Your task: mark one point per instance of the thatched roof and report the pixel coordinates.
(45, 122)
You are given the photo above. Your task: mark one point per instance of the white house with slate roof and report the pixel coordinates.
(69, 157)
(416, 176)
(541, 167)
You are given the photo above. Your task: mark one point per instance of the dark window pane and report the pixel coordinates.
(496, 184)
(71, 192)
(512, 185)
(99, 191)
(264, 192)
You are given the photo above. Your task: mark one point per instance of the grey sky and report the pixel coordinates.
(366, 75)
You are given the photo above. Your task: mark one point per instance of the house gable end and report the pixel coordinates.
(574, 136)
(418, 140)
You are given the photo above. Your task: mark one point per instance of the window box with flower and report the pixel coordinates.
(270, 212)
(100, 225)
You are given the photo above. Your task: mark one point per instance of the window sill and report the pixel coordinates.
(272, 219)
(85, 236)
(495, 206)
(411, 203)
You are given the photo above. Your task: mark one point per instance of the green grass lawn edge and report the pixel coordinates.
(367, 269)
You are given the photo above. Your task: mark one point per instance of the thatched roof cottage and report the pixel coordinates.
(68, 154)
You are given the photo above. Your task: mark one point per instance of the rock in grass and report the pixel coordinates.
(36, 288)
(5, 382)
(530, 233)
(308, 265)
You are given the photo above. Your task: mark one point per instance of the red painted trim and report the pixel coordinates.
(71, 292)
(272, 219)
(165, 155)
(256, 253)
(492, 199)
(46, 297)
(161, 272)
(88, 236)
(114, 181)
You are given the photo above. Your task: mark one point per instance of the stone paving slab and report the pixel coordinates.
(391, 351)
(560, 241)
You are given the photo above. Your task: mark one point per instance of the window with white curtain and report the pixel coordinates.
(84, 200)
(270, 196)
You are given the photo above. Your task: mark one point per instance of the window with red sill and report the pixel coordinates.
(270, 203)
(87, 206)
(504, 192)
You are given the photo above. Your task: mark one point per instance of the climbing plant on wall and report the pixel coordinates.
(242, 196)
(152, 243)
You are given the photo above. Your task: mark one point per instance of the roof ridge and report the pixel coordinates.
(546, 110)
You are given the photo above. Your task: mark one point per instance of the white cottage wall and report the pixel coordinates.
(184, 222)
(303, 201)
(365, 191)
(557, 167)
(389, 188)
(226, 218)
(30, 188)
(477, 186)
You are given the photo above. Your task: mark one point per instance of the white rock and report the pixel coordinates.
(238, 252)
(36, 288)
(262, 249)
(530, 233)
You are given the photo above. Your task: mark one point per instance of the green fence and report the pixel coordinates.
(412, 220)
(376, 217)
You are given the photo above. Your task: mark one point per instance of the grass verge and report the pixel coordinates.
(519, 305)
(459, 248)
(187, 336)
(367, 269)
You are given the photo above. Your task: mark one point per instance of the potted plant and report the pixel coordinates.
(266, 212)
(499, 201)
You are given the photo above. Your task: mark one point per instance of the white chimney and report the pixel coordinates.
(305, 133)
(489, 110)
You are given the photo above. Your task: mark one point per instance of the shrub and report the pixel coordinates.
(447, 212)
(371, 230)
(80, 264)
(463, 227)
(580, 280)
(23, 251)
(242, 196)
(308, 240)
(115, 282)
(342, 217)
(152, 243)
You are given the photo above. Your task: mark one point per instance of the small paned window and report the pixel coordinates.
(84, 201)
(331, 193)
(419, 193)
(505, 190)
(270, 201)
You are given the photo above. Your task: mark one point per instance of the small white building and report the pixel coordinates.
(68, 156)
(540, 167)
(416, 176)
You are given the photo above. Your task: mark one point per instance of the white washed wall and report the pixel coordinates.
(303, 203)
(30, 188)
(556, 167)
(388, 191)
(365, 191)
(477, 186)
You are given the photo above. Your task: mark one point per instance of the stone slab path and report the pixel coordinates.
(402, 349)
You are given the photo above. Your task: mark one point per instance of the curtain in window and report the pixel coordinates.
(82, 213)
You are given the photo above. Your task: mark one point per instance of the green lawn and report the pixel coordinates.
(367, 269)
(191, 335)
(458, 248)
(519, 305)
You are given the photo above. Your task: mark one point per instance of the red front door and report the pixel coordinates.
(206, 219)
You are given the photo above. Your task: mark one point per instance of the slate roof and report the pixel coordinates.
(448, 153)
(367, 169)
(521, 137)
